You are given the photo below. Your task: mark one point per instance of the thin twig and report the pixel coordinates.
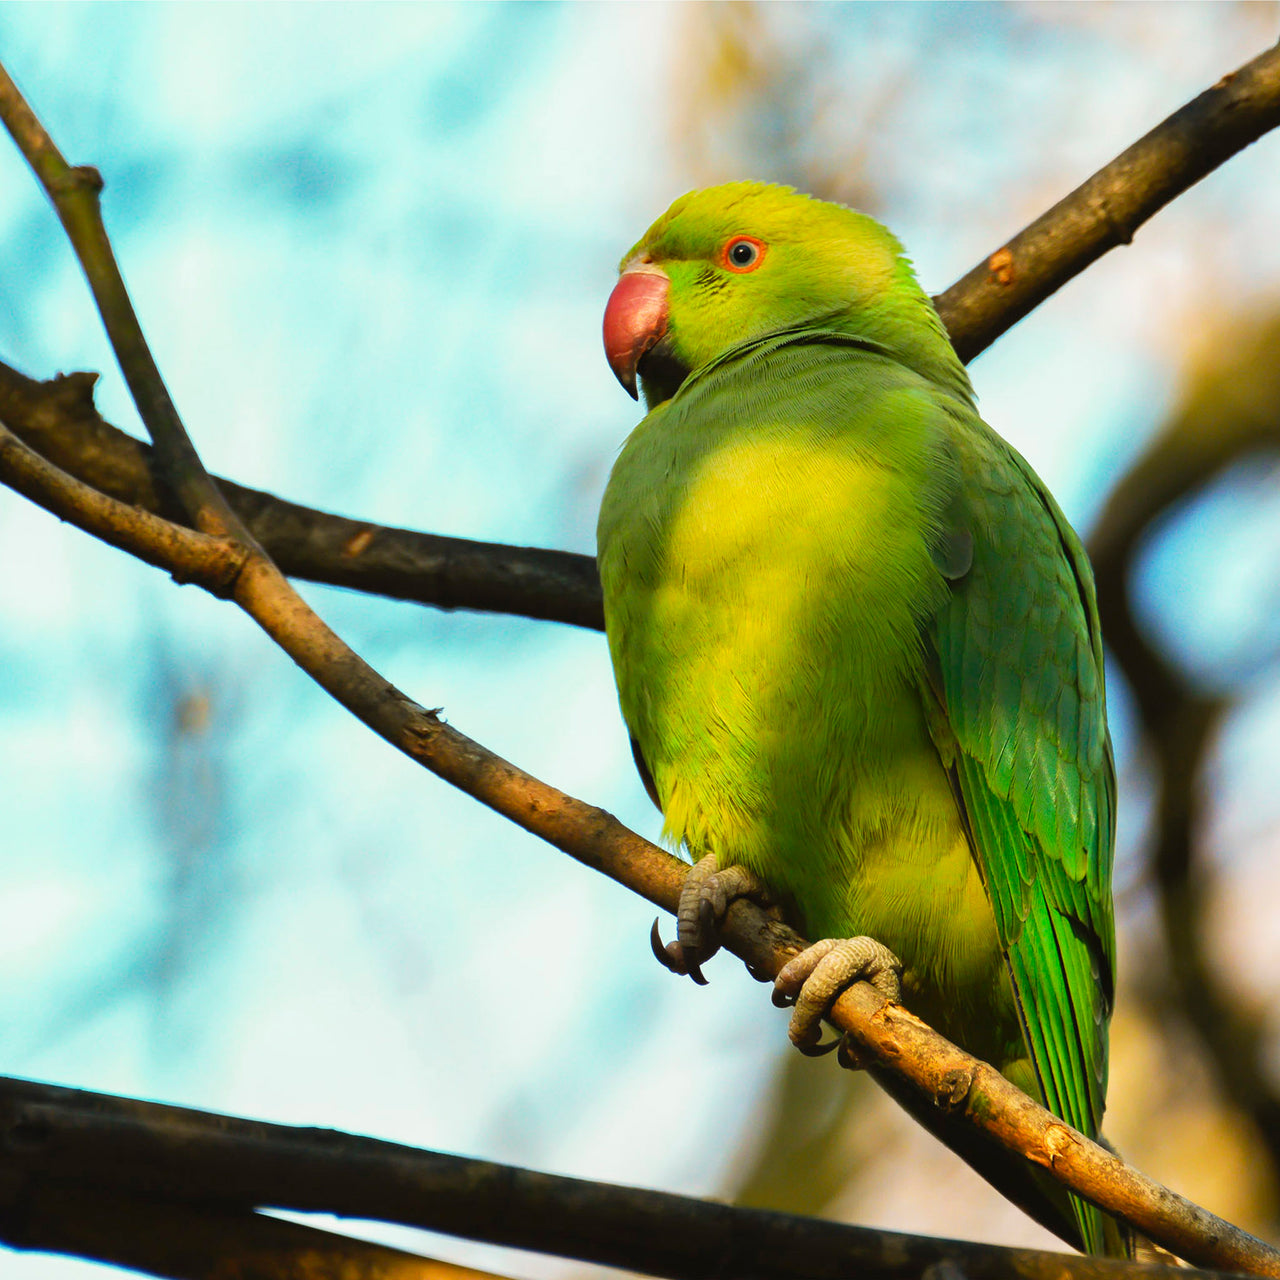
(74, 192)
(148, 1150)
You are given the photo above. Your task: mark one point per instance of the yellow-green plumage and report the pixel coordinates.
(855, 640)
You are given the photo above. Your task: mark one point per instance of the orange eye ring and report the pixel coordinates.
(742, 254)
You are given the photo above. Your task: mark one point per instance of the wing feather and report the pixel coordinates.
(1019, 658)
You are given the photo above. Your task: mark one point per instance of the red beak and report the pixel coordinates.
(634, 320)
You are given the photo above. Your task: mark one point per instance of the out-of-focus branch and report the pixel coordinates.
(559, 586)
(166, 1237)
(1231, 411)
(968, 1091)
(142, 1151)
(1107, 209)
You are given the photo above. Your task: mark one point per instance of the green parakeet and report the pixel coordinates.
(856, 642)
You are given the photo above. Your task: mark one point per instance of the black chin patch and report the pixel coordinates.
(661, 373)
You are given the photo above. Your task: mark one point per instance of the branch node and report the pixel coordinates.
(1000, 264)
(78, 180)
(954, 1088)
(359, 542)
(89, 177)
(1121, 228)
(233, 558)
(419, 735)
(78, 385)
(1058, 1140)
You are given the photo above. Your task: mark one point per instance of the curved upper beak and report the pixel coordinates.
(635, 319)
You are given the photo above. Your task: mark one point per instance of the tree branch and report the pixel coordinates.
(57, 418)
(74, 193)
(587, 833)
(164, 1236)
(1108, 209)
(161, 1155)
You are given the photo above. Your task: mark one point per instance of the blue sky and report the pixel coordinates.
(370, 246)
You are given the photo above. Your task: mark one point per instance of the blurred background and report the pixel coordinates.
(370, 246)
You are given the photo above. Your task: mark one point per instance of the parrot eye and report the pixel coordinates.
(743, 254)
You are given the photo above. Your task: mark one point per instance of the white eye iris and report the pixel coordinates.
(742, 253)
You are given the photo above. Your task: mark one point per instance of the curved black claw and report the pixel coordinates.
(785, 1000)
(821, 1050)
(811, 981)
(671, 955)
(781, 999)
(851, 1057)
(702, 906)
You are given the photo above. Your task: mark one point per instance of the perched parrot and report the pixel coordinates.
(857, 649)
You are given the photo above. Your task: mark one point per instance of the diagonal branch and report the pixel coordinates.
(1109, 208)
(74, 192)
(224, 568)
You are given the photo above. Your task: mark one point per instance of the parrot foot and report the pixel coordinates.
(705, 896)
(814, 978)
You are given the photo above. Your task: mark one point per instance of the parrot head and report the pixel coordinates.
(734, 263)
